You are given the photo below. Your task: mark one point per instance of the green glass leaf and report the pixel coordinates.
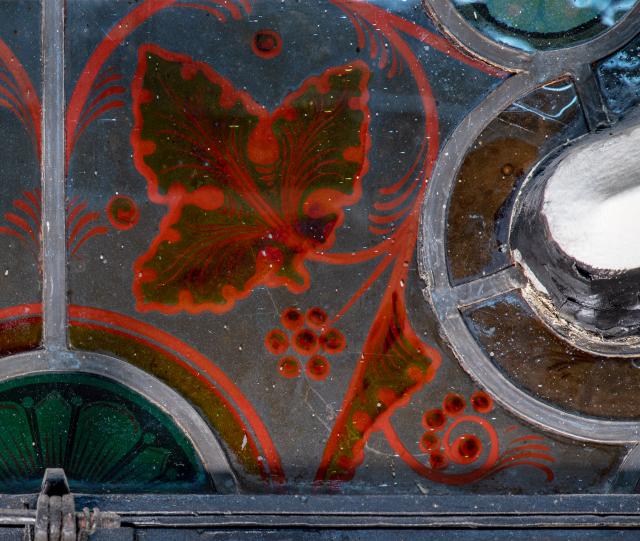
(104, 434)
(17, 453)
(250, 192)
(53, 415)
(146, 467)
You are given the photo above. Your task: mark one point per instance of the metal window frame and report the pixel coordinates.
(387, 517)
(532, 70)
(392, 517)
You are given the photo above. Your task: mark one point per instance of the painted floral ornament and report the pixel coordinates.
(261, 190)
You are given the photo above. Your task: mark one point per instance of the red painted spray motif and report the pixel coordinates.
(259, 190)
(290, 222)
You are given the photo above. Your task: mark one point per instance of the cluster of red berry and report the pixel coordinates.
(307, 335)
(466, 448)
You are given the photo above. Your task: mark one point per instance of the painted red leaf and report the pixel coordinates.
(394, 364)
(250, 192)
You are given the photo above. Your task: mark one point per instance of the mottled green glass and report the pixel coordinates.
(543, 24)
(107, 438)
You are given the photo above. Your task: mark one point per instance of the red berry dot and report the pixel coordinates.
(434, 419)
(453, 404)
(305, 342)
(481, 402)
(266, 43)
(276, 342)
(289, 367)
(333, 341)
(466, 449)
(316, 317)
(122, 212)
(429, 441)
(292, 318)
(318, 367)
(438, 460)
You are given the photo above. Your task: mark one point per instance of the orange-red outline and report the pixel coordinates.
(199, 365)
(114, 222)
(177, 196)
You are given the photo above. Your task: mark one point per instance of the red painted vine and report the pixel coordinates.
(451, 441)
(266, 208)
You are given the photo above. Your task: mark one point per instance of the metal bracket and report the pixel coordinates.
(56, 517)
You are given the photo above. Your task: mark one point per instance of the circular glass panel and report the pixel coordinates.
(542, 24)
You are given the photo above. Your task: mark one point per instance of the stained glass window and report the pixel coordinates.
(305, 248)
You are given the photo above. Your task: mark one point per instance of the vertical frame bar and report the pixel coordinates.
(54, 267)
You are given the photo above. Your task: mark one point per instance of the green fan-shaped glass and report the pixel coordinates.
(106, 437)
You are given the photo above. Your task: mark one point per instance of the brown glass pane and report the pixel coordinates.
(550, 368)
(481, 202)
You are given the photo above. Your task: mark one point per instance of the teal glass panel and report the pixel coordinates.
(543, 24)
(107, 438)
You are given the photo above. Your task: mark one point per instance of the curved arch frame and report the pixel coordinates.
(452, 23)
(534, 70)
(204, 441)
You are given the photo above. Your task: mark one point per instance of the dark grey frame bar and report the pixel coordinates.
(262, 512)
(53, 178)
(336, 512)
(533, 70)
(348, 512)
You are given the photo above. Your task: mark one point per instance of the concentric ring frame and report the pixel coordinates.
(454, 25)
(532, 70)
